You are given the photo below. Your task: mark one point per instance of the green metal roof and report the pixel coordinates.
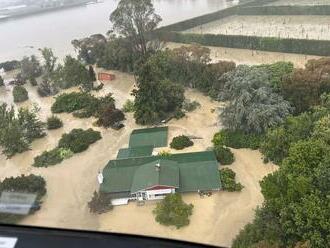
(141, 151)
(148, 175)
(196, 171)
(155, 137)
(196, 176)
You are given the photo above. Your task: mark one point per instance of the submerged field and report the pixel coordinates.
(299, 2)
(298, 27)
(70, 185)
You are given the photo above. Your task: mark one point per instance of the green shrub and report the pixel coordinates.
(190, 106)
(78, 140)
(227, 179)
(173, 211)
(181, 142)
(33, 81)
(128, 106)
(178, 114)
(70, 102)
(224, 155)
(23, 184)
(237, 139)
(52, 157)
(54, 122)
(83, 105)
(20, 94)
(100, 203)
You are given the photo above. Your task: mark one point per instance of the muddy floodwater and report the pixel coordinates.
(24, 36)
(70, 184)
(299, 27)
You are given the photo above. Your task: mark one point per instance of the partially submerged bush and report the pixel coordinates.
(83, 105)
(78, 140)
(100, 203)
(23, 184)
(224, 155)
(54, 122)
(52, 157)
(33, 81)
(128, 106)
(173, 211)
(47, 88)
(110, 118)
(20, 94)
(1, 81)
(190, 105)
(70, 102)
(181, 142)
(237, 139)
(227, 179)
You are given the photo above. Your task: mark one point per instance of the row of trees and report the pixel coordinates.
(54, 76)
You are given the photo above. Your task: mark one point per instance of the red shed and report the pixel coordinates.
(102, 76)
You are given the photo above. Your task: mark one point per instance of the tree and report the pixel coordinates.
(252, 105)
(13, 140)
(181, 142)
(155, 101)
(73, 73)
(18, 131)
(304, 87)
(227, 179)
(78, 140)
(237, 139)
(30, 68)
(322, 129)
(91, 73)
(20, 94)
(110, 117)
(90, 49)
(134, 19)
(46, 88)
(54, 122)
(224, 155)
(296, 206)
(277, 141)
(100, 203)
(278, 72)
(1, 81)
(173, 211)
(32, 126)
(49, 62)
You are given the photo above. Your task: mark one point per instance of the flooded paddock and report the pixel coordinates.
(296, 26)
(299, 2)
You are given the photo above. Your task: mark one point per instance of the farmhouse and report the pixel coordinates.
(137, 175)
